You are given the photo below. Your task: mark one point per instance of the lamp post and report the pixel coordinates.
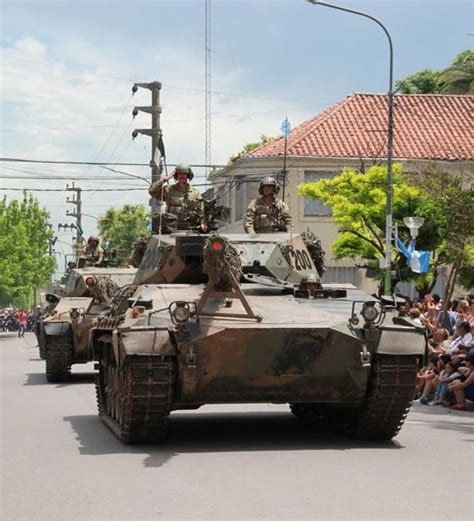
(389, 189)
(414, 224)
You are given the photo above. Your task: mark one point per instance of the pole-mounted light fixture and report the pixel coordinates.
(387, 262)
(414, 224)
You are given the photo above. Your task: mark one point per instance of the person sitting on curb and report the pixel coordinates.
(463, 390)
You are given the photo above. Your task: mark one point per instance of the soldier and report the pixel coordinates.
(93, 252)
(268, 214)
(181, 199)
(311, 284)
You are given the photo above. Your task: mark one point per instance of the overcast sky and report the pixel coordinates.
(67, 68)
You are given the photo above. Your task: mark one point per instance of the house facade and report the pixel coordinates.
(353, 133)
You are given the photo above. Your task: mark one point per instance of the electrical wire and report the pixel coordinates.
(167, 85)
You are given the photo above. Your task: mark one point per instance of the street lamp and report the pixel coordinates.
(414, 224)
(389, 190)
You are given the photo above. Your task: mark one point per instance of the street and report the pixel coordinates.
(246, 462)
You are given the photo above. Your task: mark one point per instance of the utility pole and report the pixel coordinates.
(155, 133)
(77, 201)
(77, 214)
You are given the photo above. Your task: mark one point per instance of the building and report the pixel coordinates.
(428, 129)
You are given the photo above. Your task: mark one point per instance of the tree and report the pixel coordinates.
(120, 228)
(458, 78)
(423, 82)
(25, 263)
(250, 147)
(358, 202)
(447, 199)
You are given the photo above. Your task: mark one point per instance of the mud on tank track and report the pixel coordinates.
(135, 401)
(58, 356)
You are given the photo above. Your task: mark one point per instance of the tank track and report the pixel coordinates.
(58, 356)
(391, 392)
(135, 401)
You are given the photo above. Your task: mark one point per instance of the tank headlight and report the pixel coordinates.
(74, 313)
(217, 245)
(180, 312)
(90, 281)
(370, 312)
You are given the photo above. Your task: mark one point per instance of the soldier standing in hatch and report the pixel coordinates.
(93, 252)
(182, 200)
(268, 214)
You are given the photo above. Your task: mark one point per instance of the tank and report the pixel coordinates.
(245, 319)
(64, 331)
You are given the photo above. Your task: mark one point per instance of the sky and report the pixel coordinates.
(67, 68)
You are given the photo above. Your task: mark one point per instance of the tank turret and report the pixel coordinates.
(177, 258)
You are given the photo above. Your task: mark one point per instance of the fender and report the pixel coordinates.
(57, 328)
(401, 341)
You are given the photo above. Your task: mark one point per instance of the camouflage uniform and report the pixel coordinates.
(268, 218)
(93, 255)
(187, 204)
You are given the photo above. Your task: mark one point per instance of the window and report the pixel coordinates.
(311, 206)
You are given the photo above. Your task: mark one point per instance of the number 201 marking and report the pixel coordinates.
(301, 260)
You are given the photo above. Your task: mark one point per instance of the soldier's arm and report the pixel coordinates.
(100, 255)
(159, 189)
(250, 218)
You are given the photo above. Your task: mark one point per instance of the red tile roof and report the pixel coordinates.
(427, 126)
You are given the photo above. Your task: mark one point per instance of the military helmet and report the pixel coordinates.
(183, 169)
(268, 181)
(309, 279)
(93, 238)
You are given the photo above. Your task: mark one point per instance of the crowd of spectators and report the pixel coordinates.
(18, 320)
(448, 377)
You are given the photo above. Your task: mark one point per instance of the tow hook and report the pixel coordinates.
(365, 357)
(191, 357)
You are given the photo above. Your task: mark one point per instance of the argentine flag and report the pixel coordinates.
(419, 261)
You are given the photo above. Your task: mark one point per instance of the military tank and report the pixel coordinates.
(230, 319)
(63, 333)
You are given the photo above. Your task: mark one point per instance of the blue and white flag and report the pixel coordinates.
(285, 127)
(419, 261)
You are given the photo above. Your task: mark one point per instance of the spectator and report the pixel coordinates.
(22, 318)
(448, 375)
(464, 389)
(461, 339)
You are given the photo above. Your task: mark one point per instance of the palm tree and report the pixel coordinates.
(458, 78)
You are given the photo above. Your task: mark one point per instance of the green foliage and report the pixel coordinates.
(358, 202)
(24, 241)
(249, 147)
(458, 78)
(120, 228)
(466, 273)
(423, 82)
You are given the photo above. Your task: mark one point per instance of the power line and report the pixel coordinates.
(65, 189)
(169, 86)
(97, 163)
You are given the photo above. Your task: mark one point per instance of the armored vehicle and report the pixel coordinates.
(64, 331)
(244, 319)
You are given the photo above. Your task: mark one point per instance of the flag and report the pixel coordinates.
(159, 152)
(419, 261)
(285, 127)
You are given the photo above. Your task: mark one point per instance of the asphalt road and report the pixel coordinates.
(59, 462)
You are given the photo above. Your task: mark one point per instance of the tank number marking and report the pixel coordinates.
(301, 260)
